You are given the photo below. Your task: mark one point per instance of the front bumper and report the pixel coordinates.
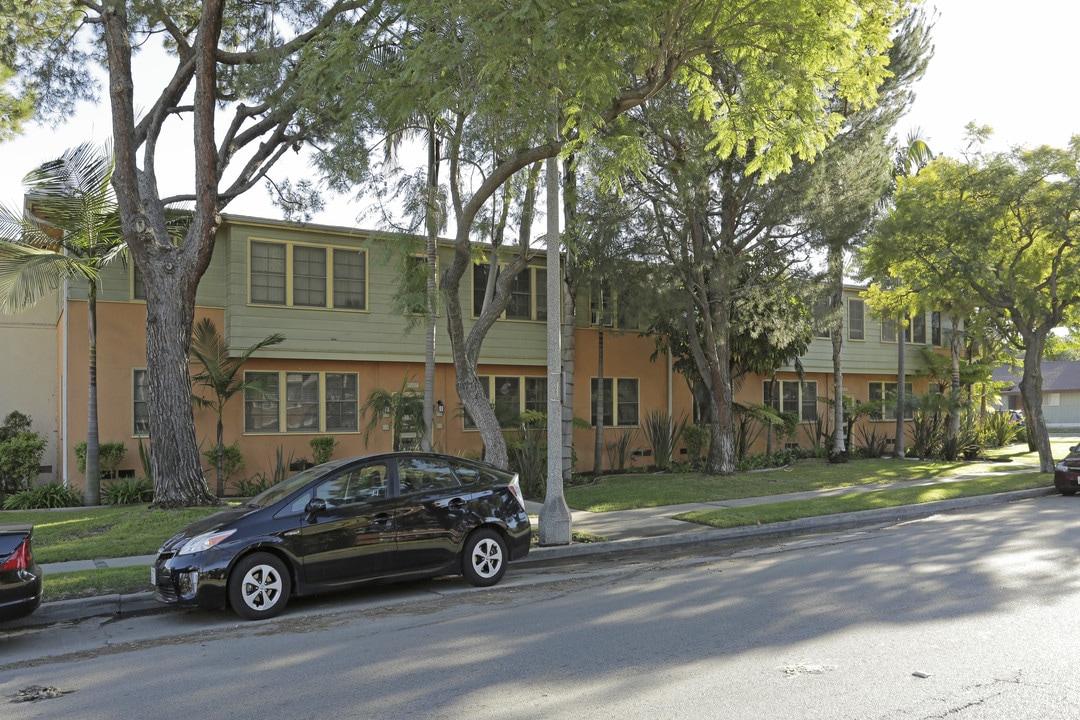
(198, 580)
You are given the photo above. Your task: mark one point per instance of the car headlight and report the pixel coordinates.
(204, 541)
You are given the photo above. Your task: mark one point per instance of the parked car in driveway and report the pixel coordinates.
(1067, 473)
(367, 519)
(20, 576)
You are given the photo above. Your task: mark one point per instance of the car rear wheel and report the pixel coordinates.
(259, 586)
(483, 560)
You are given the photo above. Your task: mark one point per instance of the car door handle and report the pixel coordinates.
(381, 519)
(456, 503)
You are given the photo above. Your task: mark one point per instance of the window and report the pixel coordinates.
(793, 397)
(884, 394)
(536, 394)
(355, 486)
(308, 276)
(314, 402)
(935, 329)
(888, 331)
(856, 314)
(342, 401)
(509, 401)
(620, 402)
(140, 409)
(528, 293)
(917, 333)
(425, 475)
(268, 273)
(350, 279)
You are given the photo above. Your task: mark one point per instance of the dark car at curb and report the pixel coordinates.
(377, 518)
(1067, 473)
(20, 576)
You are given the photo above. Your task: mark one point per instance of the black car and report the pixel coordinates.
(1067, 473)
(20, 576)
(376, 518)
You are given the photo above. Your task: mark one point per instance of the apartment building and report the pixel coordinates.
(329, 291)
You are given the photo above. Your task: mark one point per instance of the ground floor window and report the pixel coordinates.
(792, 396)
(139, 410)
(314, 402)
(620, 402)
(511, 395)
(883, 394)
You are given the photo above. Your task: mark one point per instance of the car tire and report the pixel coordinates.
(259, 586)
(1067, 492)
(483, 559)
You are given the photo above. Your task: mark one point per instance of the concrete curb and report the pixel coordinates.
(821, 523)
(144, 603)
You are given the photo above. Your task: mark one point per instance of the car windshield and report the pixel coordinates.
(287, 487)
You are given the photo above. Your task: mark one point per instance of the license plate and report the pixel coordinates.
(153, 576)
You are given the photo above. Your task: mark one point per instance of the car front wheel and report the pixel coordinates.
(483, 561)
(259, 586)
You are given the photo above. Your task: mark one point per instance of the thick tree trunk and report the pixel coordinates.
(93, 444)
(1031, 395)
(838, 453)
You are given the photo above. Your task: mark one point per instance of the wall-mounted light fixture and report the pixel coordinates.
(439, 407)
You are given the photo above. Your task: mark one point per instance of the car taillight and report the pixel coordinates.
(20, 559)
(515, 488)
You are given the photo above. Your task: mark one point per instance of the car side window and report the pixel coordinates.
(425, 475)
(362, 484)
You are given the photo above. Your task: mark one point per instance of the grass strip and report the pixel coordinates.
(871, 500)
(95, 583)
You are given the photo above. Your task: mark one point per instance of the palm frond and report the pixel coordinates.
(27, 274)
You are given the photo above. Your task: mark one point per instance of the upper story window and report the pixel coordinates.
(856, 319)
(918, 328)
(297, 275)
(139, 409)
(528, 293)
(935, 328)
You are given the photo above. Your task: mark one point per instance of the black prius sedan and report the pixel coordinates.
(1067, 473)
(378, 518)
(20, 576)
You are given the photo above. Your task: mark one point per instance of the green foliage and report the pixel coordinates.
(249, 487)
(322, 448)
(999, 429)
(763, 461)
(403, 408)
(697, 441)
(663, 434)
(527, 448)
(872, 443)
(52, 495)
(110, 455)
(619, 449)
(232, 460)
(21, 451)
(280, 470)
(128, 491)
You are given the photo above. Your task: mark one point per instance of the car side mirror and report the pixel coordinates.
(315, 506)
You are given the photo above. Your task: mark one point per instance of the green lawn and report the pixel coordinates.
(626, 492)
(89, 533)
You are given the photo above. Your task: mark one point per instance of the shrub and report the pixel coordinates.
(663, 434)
(128, 492)
(21, 451)
(871, 443)
(232, 460)
(322, 448)
(697, 439)
(999, 429)
(619, 450)
(249, 487)
(110, 455)
(527, 448)
(53, 495)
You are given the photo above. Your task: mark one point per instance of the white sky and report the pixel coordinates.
(997, 62)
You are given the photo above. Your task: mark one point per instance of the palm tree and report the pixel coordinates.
(219, 375)
(401, 406)
(71, 230)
